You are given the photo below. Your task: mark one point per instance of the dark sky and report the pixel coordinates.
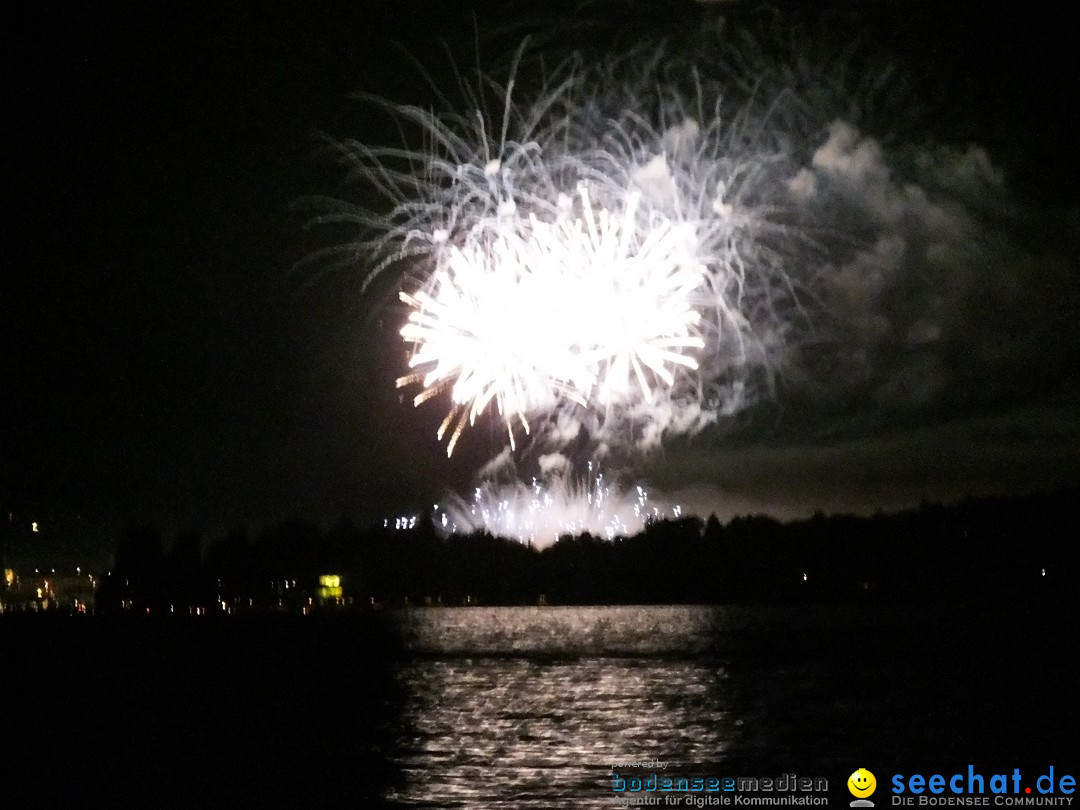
(164, 361)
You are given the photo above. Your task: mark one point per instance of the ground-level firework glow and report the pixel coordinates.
(541, 512)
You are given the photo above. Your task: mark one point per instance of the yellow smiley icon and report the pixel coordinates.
(861, 783)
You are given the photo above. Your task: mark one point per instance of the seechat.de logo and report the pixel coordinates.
(973, 788)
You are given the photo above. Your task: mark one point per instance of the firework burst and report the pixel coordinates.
(597, 249)
(577, 308)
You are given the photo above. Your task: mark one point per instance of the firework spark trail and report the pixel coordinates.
(632, 268)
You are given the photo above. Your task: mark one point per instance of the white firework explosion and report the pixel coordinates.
(633, 268)
(578, 308)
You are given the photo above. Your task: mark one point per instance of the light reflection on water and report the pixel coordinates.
(529, 708)
(515, 732)
(567, 631)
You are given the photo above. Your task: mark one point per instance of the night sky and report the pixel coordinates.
(166, 360)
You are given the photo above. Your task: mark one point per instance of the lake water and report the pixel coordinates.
(528, 707)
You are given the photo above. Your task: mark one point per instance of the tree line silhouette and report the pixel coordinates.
(977, 548)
